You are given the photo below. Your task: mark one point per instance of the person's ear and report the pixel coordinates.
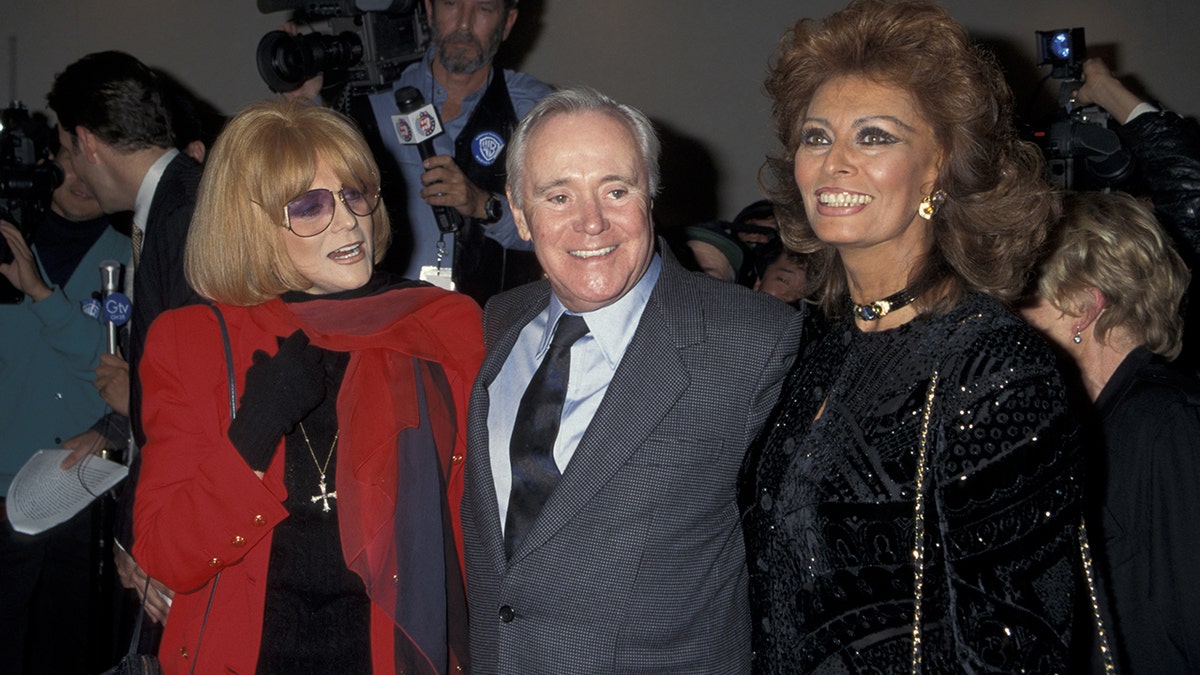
(1090, 309)
(508, 22)
(88, 144)
(196, 151)
(518, 216)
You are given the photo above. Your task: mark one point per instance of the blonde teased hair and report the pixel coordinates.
(266, 156)
(1111, 243)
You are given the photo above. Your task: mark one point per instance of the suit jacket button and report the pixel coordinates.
(507, 614)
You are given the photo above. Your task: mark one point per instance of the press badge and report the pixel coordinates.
(438, 276)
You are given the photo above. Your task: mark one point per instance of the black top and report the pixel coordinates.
(317, 613)
(61, 244)
(829, 506)
(1145, 532)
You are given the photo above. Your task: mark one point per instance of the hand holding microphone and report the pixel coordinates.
(418, 124)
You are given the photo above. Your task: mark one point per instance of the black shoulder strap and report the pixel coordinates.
(228, 361)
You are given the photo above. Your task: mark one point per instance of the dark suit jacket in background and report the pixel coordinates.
(636, 563)
(158, 282)
(158, 285)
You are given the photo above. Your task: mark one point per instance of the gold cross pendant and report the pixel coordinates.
(324, 496)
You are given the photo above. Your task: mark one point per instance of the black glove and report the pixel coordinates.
(280, 391)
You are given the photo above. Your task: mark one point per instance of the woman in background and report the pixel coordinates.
(1108, 295)
(914, 503)
(317, 531)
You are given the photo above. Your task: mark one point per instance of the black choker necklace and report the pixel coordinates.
(873, 311)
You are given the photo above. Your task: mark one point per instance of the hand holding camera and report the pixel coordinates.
(20, 269)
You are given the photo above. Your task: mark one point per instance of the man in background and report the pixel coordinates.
(114, 115)
(479, 105)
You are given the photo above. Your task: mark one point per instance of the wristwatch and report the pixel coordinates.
(493, 210)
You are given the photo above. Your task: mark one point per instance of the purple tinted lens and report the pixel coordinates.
(359, 202)
(311, 212)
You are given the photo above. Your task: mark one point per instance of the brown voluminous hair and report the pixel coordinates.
(998, 205)
(266, 156)
(1111, 243)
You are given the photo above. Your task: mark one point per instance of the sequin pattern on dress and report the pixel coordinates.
(828, 504)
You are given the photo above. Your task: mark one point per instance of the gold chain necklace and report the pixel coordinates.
(324, 497)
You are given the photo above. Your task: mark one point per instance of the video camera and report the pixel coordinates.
(362, 44)
(1077, 132)
(27, 179)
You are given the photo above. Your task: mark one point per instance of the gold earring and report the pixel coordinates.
(931, 204)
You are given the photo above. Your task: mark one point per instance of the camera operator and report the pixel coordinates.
(50, 349)
(1166, 148)
(477, 102)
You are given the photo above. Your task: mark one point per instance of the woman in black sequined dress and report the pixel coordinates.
(903, 174)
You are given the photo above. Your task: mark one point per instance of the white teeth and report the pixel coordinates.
(346, 251)
(844, 199)
(593, 254)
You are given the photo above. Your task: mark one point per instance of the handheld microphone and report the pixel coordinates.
(115, 305)
(418, 124)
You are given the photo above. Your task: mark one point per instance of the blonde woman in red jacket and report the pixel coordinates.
(317, 529)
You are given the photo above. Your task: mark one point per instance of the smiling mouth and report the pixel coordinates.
(844, 199)
(347, 252)
(593, 253)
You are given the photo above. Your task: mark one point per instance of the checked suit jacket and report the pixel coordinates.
(636, 563)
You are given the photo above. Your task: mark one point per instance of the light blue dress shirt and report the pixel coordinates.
(594, 359)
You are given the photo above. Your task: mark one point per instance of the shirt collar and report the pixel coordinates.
(612, 327)
(145, 195)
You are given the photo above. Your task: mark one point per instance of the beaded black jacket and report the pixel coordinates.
(829, 505)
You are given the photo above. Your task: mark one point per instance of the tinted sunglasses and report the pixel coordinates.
(311, 213)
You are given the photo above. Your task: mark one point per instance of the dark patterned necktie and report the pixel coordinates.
(137, 236)
(534, 473)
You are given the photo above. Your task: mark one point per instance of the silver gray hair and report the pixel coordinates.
(578, 100)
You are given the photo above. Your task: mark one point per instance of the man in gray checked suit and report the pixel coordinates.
(605, 538)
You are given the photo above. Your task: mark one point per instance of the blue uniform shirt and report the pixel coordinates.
(524, 90)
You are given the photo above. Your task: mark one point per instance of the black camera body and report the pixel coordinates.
(27, 180)
(1081, 151)
(361, 44)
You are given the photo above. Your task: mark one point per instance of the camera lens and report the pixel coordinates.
(287, 61)
(1060, 45)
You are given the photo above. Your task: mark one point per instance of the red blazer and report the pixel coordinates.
(200, 509)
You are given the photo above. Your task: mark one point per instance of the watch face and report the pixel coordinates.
(493, 209)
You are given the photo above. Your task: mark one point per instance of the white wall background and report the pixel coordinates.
(695, 66)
